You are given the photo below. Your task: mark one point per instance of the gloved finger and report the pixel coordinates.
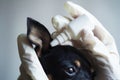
(93, 43)
(106, 38)
(75, 10)
(23, 74)
(29, 59)
(60, 22)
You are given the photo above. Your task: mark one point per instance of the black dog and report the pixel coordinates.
(61, 62)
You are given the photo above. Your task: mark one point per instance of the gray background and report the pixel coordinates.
(13, 15)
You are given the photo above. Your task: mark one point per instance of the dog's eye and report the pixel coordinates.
(70, 71)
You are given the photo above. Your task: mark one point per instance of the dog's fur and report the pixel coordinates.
(67, 63)
(61, 62)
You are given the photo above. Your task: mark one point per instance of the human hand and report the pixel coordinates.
(30, 68)
(31, 46)
(97, 39)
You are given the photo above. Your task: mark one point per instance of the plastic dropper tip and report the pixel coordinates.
(54, 43)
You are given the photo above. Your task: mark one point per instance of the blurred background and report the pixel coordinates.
(13, 14)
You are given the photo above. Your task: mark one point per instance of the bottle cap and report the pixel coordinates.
(59, 39)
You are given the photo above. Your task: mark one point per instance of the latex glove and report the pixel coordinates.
(97, 39)
(30, 68)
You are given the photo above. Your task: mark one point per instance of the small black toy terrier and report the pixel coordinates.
(60, 62)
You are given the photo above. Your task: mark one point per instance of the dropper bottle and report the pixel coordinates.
(72, 30)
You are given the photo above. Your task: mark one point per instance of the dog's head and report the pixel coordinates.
(67, 63)
(61, 62)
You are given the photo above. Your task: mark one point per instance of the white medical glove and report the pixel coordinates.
(30, 68)
(97, 39)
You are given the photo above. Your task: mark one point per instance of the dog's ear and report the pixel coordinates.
(36, 32)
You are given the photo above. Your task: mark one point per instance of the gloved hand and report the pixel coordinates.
(97, 39)
(30, 68)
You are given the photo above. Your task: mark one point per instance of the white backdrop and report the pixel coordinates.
(13, 15)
